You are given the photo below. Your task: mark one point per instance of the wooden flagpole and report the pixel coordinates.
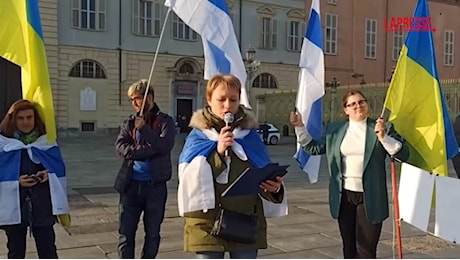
(396, 208)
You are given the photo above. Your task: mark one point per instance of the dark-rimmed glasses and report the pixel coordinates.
(361, 102)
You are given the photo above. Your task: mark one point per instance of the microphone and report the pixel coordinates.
(228, 119)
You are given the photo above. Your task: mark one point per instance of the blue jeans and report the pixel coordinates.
(151, 199)
(249, 254)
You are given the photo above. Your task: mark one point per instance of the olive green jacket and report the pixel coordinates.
(198, 224)
(374, 175)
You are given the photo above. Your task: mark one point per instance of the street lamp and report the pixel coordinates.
(333, 86)
(252, 65)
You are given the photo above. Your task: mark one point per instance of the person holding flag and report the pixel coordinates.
(356, 149)
(144, 144)
(32, 182)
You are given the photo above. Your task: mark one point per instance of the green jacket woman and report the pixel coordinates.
(205, 175)
(356, 150)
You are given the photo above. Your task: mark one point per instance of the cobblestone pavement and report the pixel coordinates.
(308, 231)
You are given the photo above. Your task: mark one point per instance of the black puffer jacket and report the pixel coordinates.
(456, 159)
(155, 147)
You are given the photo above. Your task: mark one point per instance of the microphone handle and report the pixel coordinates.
(227, 151)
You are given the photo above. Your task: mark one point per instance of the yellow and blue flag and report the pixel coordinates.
(21, 42)
(416, 102)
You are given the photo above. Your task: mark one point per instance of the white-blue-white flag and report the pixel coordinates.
(311, 89)
(210, 19)
(41, 152)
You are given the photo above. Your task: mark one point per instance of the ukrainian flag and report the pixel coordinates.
(21, 42)
(416, 102)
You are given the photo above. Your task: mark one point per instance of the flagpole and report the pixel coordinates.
(397, 220)
(154, 62)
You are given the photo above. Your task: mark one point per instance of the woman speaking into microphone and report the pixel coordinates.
(221, 146)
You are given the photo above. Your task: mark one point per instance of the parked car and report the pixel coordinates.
(273, 133)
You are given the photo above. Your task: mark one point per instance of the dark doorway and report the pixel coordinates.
(10, 85)
(184, 113)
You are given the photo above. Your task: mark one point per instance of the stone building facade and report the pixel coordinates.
(93, 61)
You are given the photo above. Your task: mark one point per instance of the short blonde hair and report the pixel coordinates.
(139, 87)
(229, 81)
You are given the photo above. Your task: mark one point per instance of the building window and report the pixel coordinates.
(265, 80)
(87, 69)
(146, 17)
(88, 14)
(268, 33)
(331, 34)
(295, 35)
(332, 2)
(448, 48)
(370, 44)
(181, 31)
(186, 69)
(398, 41)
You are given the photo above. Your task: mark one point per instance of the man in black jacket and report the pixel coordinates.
(456, 159)
(144, 143)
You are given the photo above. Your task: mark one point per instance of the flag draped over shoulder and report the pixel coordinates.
(416, 102)
(196, 182)
(311, 89)
(211, 20)
(21, 42)
(39, 151)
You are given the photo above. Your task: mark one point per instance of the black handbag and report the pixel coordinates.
(235, 226)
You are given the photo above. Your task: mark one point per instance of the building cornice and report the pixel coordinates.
(447, 2)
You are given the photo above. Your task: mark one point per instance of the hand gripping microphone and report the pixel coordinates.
(228, 119)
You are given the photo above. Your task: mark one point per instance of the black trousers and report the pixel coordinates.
(44, 241)
(359, 236)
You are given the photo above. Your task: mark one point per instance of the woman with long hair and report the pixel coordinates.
(24, 182)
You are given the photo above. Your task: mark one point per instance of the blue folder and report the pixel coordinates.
(248, 182)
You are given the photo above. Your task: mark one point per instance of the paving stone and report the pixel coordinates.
(90, 252)
(331, 251)
(446, 253)
(416, 256)
(84, 240)
(297, 255)
(304, 242)
(178, 254)
(296, 219)
(269, 251)
(302, 229)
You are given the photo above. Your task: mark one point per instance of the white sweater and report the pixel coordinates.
(352, 151)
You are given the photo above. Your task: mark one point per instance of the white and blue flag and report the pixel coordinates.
(311, 90)
(39, 151)
(210, 19)
(196, 182)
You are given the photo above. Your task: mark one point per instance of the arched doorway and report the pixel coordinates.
(186, 85)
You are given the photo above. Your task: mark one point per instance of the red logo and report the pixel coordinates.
(408, 24)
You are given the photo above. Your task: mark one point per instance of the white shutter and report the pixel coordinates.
(274, 34)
